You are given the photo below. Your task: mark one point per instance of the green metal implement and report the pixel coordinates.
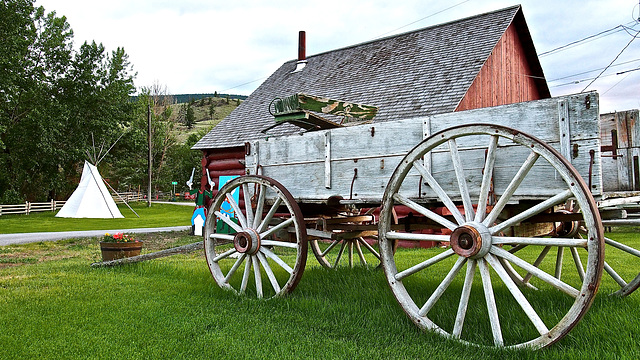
(299, 110)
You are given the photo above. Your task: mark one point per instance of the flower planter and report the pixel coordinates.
(119, 250)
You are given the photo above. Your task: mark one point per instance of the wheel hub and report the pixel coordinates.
(471, 240)
(247, 241)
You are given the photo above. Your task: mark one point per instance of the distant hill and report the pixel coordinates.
(185, 98)
(208, 111)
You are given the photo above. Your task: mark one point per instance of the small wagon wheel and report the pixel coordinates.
(347, 250)
(493, 310)
(265, 238)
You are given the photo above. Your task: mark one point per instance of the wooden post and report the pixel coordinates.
(149, 159)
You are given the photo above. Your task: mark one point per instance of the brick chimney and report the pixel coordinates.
(302, 52)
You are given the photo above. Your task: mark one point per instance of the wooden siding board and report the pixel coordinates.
(504, 77)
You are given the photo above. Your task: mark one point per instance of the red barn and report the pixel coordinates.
(480, 61)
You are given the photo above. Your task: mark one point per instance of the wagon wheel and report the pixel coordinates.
(265, 239)
(492, 310)
(332, 253)
(345, 251)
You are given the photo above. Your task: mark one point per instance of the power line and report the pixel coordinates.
(616, 58)
(426, 17)
(589, 71)
(611, 31)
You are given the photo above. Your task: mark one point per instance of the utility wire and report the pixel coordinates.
(426, 17)
(611, 63)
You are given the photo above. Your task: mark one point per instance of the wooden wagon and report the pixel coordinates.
(493, 191)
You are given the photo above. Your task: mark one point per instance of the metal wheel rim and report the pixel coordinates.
(578, 189)
(263, 256)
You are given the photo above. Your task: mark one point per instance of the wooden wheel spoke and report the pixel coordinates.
(435, 296)
(517, 294)
(394, 235)
(228, 221)
(270, 274)
(578, 263)
(363, 261)
(369, 247)
(267, 219)
(218, 236)
(490, 300)
(245, 275)
(280, 226)
(614, 275)
(236, 209)
(462, 180)
(257, 275)
(537, 263)
(425, 264)
(524, 241)
(339, 256)
(260, 206)
(330, 247)
(622, 247)
(286, 244)
(225, 254)
(234, 268)
(271, 255)
(464, 298)
(442, 195)
(350, 244)
(549, 279)
(247, 204)
(487, 176)
(559, 259)
(549, 203)
(511, 189)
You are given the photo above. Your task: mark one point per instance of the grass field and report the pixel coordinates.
(158, 215)
(54, 305)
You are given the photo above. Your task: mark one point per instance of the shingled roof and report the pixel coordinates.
(418, 73)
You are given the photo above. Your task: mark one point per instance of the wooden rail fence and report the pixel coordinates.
(29, 207)
(54, 205)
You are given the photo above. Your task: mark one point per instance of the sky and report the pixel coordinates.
(202, 46)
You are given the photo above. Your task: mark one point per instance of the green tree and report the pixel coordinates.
(52, 100)
(190, 118)
(212, 110)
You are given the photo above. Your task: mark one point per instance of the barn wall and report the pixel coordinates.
(503, 77)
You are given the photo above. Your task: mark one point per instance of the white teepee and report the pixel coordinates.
(91, 199)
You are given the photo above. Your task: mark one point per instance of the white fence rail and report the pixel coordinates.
(54, 205)
(29, 207)
(128, 197)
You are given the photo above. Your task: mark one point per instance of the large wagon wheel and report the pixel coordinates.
(493, 310)
(266, 238)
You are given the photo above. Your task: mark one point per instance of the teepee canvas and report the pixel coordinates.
(91, 199)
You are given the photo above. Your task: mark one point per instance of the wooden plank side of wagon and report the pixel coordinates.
(356, 162)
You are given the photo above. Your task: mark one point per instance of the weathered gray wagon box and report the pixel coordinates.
(356, 162)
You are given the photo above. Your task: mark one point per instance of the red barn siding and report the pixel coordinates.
(505, 77)
(221, 162)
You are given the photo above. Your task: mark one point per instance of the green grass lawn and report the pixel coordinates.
(53, 305)
(157, 215)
